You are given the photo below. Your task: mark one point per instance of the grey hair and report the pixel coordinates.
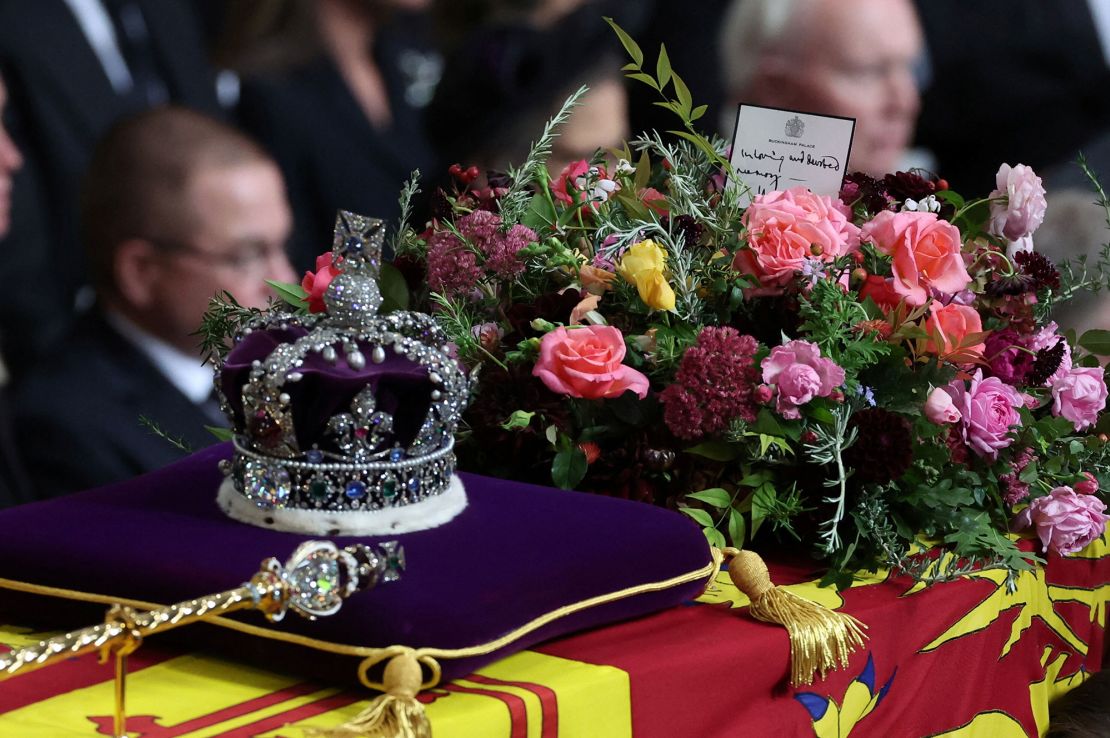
(750, 28)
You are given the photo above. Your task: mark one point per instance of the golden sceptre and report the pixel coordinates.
(313, 583)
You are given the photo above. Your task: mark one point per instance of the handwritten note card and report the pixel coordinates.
(775, 149)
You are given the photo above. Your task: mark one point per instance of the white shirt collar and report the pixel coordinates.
(192, 378)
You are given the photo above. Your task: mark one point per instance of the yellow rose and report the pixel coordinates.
(644, 265)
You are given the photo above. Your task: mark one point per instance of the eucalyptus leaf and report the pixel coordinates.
(539, 214)
(394, 289)
(762, 502)
(714, 537)
(737, 527)
(568, 468)
(1096, 341)
(627, 42)
(699, 516)
(715, 450)
(291, 293)
(647, 79)
(684, 98)
(663, 66)
(715, 496)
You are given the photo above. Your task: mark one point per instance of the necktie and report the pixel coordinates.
(138, 51)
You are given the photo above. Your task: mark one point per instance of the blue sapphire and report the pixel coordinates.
(314, 456)
(413, 485)
(352, 246)
(355, 490)
(396, 455)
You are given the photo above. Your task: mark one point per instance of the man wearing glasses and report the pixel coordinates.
(176, 208)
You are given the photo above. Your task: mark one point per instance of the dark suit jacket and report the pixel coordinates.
(78, 413)
(61, 104)
(1016, 81)
(331, 155)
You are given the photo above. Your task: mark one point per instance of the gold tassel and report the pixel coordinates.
(395, 714)
(820, 639)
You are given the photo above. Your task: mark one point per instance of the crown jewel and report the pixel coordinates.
(344, 421)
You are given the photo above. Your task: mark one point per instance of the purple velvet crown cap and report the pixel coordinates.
(401, 386)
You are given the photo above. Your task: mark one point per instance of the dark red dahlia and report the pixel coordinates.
(861, 189)
(1039, 269)
(553, 307)
(909, 185)
(691, 230)
(1047, 362)
(883, 450)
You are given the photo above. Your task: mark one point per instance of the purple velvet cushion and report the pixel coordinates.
(517, 552)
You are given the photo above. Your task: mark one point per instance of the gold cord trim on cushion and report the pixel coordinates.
(376, 655)
(820, 639)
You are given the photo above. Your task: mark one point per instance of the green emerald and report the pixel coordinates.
(319, 489)
(389, 489)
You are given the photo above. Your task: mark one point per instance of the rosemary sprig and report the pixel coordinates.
(515, 201)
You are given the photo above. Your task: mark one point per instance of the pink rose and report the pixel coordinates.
(1065, 521)
(1018, 203)
(952, 324)
(925, 252)
(988, 410)
(1080, 395)
(568, 180)
(799, 373)
(316, 284)
(939, 408)
(573, 179)
(1088, 486)
(586, 362)
(783, 230)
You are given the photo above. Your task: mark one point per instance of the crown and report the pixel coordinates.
(344, 420)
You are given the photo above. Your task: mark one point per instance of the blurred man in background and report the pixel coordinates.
(73, 68)
(852, 58)
(13, 484)
(176, 207)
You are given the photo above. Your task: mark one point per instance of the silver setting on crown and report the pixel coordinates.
(354, 468)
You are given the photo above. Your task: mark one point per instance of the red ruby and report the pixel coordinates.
(264, 429)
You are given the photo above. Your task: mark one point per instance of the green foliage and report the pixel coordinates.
(681, 103)
(829, 316)
(224, 319)
(534, 168)
(395, 292)
(293, 294)
(404, 241)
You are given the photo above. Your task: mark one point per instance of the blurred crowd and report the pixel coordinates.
(156, 152)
